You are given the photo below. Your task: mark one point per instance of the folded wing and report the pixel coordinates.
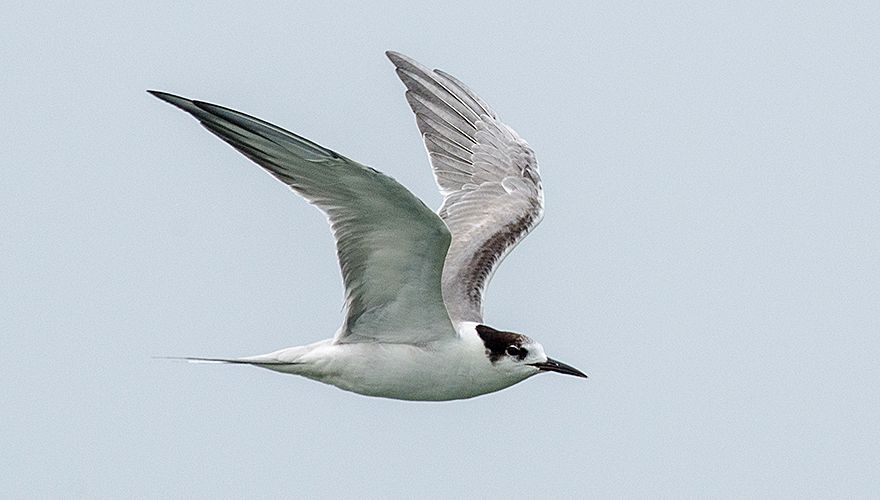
(391, 247)
(487, 174)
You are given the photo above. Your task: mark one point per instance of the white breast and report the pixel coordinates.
(439, 371)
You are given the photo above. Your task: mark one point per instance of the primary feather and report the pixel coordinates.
(390, 246)
(488, 175)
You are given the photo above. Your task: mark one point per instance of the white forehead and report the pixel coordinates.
(536, 350)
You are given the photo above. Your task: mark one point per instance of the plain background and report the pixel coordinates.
(709, 254)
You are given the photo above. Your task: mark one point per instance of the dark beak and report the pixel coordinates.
(551, 365)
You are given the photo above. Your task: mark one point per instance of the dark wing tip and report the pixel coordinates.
(406, 63)
(181, 102)
(165, 96)
(395, 56)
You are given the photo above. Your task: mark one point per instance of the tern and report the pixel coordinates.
(414, 279)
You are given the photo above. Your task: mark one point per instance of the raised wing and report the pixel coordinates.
(390, 245)
(488, 177)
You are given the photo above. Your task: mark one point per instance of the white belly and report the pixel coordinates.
(440, 372)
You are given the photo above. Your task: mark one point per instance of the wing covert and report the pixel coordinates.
(390, 246)
(488, 175)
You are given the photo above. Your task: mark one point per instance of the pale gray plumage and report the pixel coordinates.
(488, 177)
(367, 209)
(414, 280)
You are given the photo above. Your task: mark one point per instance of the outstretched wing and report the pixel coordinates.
(390, 246)
(488, 177)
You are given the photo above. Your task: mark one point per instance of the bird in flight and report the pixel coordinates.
(414, 279)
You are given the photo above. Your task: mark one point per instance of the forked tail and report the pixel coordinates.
(256, 361)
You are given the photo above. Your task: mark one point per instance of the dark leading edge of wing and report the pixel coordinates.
(389, 244)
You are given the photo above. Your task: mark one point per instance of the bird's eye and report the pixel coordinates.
(513, 350)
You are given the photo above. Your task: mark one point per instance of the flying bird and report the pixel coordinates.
(414, 279)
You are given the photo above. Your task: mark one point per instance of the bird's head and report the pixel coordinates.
(520, 355)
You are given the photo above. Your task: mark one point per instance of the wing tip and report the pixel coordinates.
(395, 56)
(175, 100)
(404, 62)
(165, 96)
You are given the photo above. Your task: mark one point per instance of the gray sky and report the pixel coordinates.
(709, 253)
